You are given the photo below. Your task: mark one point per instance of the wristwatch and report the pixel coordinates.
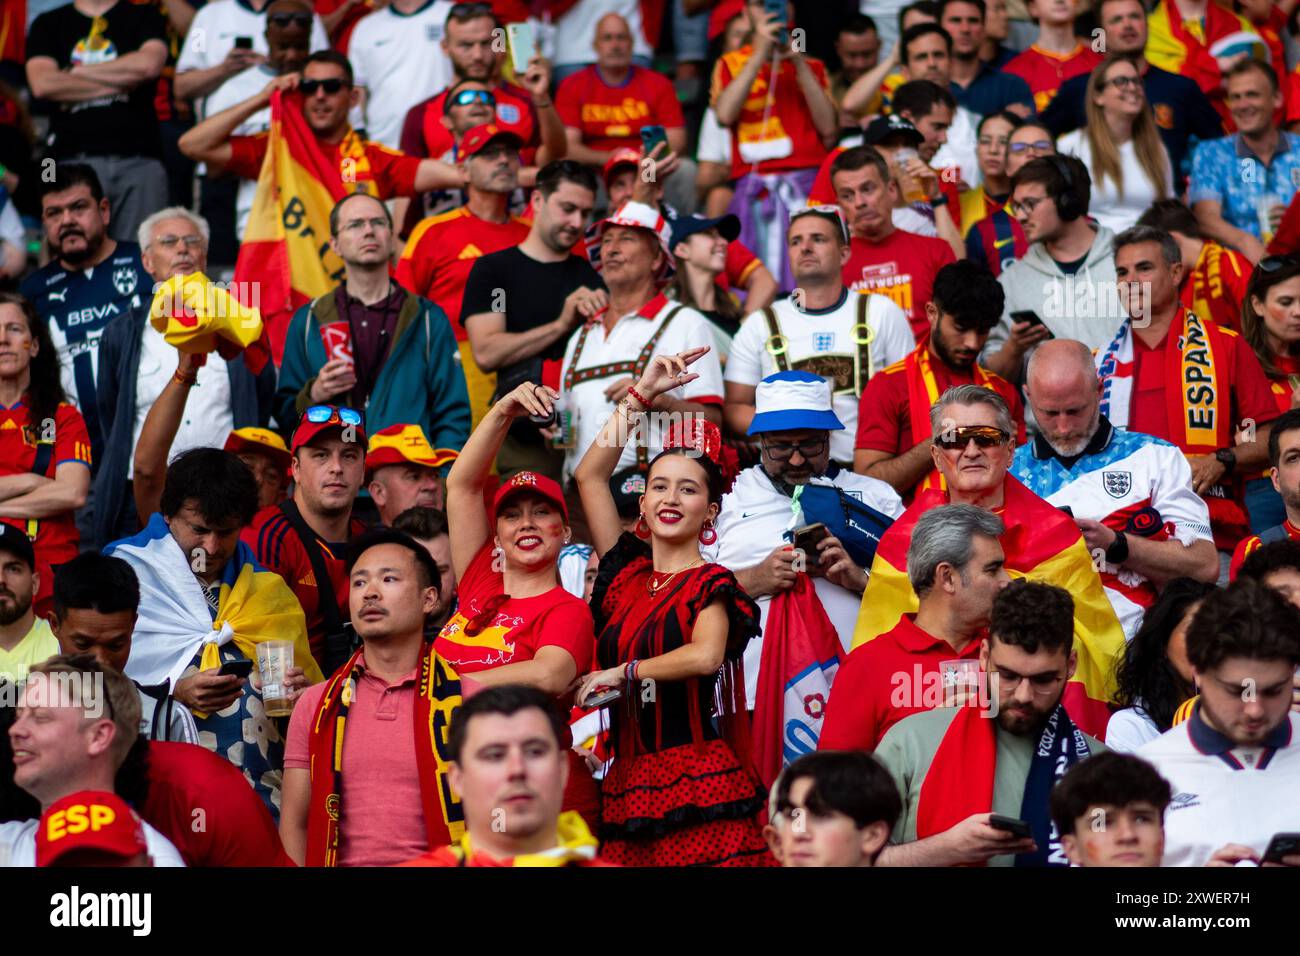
(1117, 553)
(939, 200)
(1228, 459)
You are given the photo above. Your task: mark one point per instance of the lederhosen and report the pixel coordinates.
(862, 334)
(576, 376)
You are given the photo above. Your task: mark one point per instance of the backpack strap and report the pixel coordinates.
(777, 345)
(338, 639)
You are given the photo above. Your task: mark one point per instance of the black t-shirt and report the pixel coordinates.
(531, 293)
(123, 124)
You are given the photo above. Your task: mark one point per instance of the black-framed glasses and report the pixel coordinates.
(782, 451)
(330, 86)
(290, 19)
(341, 415)
(466, 97)
(1123, 82)
(191, 241)
(984, 436)
(1026, 205)
(1038, 146)
(1041, 684)
(1271, 264)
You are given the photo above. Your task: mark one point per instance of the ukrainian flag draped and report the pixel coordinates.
(286, 249)
(255, 605)
(1041, 544)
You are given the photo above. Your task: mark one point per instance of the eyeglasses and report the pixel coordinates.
(781, 451)
(328, 414)
(483, 618)
(466, 97)
(330, 86)
(1027, 205)
(1123, 82)
(1041, 684)
(984, 436)
(1040, 146)
(285, 19)
(1271, 264)
(378, 223)
(191, 241)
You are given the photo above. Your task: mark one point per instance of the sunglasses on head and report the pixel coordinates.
(462, 10)
(322, 414)
(330, 86)
(285, 19)
(984, 436)
(1271, 264)
(466, 97)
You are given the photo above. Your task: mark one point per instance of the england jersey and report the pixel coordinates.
(1225, 794)
(1130, 482)
(78, 304)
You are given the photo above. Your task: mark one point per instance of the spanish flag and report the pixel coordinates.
(285, 259)
(1041, 544)
(1183, 46)
(13, 30)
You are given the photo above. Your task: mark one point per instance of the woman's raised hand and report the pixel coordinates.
(528, 400)
(666, 372)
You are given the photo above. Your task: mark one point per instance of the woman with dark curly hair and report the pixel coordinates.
(44, 445)
(1154, 677)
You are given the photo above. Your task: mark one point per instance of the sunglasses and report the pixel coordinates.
(824, 212)
(483, 618)
(781, 451)
(330, 86)
(462, 10)
(466, 97)
(984, 436)
(1041, 146)
(322, 414)
(1271, 264)
(285, 19)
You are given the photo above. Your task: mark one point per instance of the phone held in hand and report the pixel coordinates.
(522, 46)
(1010, 825)
(652, 136)
(601, 698)
(808, 537)
(1026, 316)
(1281, 845)
(236, 669)
(243, 43)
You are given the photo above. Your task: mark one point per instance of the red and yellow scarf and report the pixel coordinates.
(437, 696)
(1217, 284)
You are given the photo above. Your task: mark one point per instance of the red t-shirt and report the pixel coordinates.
(423, 134)
(1045, 72)
(521, 627)
(903, 268)
(1248, 546)
(278, 548)
(612, 116)
(441, 252)
(185, 781)
(56, 536)
(865, 701)
(789, 140)
(341, 35)
(884, 410)
(741, 262)
(391, 173)
(823, 192)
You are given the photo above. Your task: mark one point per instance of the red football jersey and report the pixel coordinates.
(612, 116)
(903, 268)
(1045, 72)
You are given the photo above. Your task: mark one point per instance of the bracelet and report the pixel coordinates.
(629, 672)
(939, 200)
(187, 380)
(639, 397)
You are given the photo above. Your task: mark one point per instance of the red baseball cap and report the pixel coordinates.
(319, 418)
(89, 820)
(529, 482)
(623, 156)
(480, 136)
(405, 445)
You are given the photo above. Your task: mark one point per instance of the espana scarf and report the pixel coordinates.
(437, 696)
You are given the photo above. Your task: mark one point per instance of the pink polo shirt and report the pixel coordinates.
(383, 818)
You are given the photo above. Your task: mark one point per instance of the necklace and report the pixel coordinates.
(654, 584)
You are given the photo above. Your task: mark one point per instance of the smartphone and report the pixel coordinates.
(1282, 844)
(777, 8)
(522, 46)
(243, 43)
(1010, 825)
(809, 536)
(236, 668)
(652, 136)
(1030, 317)
(602, 698)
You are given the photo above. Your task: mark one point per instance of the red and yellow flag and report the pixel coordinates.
(13, 30)
(286, 255)
(1041, 544)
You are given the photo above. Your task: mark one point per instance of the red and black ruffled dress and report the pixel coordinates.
(682, 790)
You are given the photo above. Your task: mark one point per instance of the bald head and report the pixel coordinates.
(1064, 394)
(613, 45)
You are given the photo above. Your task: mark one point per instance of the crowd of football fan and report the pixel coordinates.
(740, 433)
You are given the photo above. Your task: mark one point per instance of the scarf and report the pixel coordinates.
(959, 782)
(437, 697)
(1195, 358)
(1210, 290)
(175, 621)
(574, 846)
(922, 392)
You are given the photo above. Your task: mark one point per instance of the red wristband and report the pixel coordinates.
(637, 395)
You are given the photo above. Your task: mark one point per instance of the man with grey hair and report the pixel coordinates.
(955, 564)
(973, 448)
(1179, 376)
(136, 363)
(1130, 494)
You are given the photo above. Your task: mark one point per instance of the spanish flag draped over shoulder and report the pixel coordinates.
(1175, 48)
(1041, 544)
(174, 624)
(286, 249)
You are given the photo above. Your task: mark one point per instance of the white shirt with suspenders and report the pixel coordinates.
(846, 344)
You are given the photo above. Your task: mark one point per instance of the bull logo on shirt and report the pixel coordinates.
(124, 279)
(1117, 483)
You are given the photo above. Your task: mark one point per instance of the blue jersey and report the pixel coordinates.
(78, 304)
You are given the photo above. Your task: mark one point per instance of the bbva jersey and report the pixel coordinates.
(77, 305)
(1135, 483)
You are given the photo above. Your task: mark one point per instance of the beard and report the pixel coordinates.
(1075, 447)
(12, 606)
(941, 349)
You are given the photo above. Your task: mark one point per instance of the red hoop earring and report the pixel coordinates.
(707, 534)
(641, 529)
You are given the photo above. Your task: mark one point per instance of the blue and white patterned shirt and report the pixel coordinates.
(1226, 171)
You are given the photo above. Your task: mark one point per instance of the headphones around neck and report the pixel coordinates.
(1069, 205)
